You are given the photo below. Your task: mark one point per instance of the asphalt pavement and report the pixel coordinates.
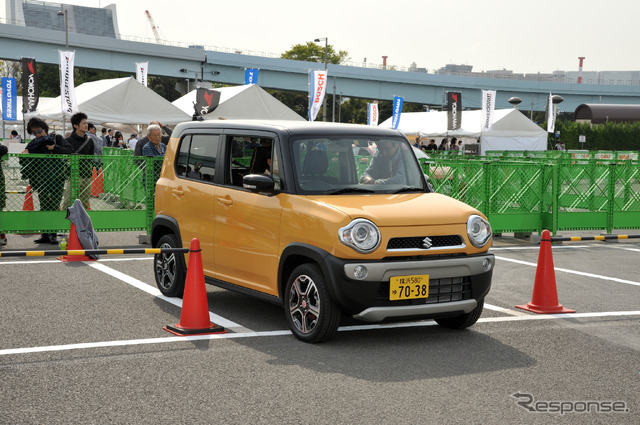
(84, 343)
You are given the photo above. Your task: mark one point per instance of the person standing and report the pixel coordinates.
(133, 140)
(110, 138)
(432, 145)
(154, 147)
(16, 136)
(82, 145)
(105, 141)
(46, 175)
(97, 142)
(454, 144)
(443, 145)
(118, 141)
(142, 142)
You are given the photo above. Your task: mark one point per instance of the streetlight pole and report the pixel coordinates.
(66, 27)
(326, 50)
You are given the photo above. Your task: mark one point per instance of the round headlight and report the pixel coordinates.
(478, 230)
(361, 235)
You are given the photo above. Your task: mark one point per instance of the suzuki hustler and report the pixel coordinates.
(289, 213)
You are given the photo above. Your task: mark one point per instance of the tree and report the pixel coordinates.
(313, 52)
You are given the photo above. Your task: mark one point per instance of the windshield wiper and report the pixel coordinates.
(350, 189)
(409, 189)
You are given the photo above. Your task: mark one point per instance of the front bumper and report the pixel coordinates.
(456, 285)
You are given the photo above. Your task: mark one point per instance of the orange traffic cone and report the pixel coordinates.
(97, 183)
(28, 200)
(74, 245)
(545, 294)
(100, 181)
(194, 317)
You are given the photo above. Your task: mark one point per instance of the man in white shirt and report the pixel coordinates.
(132, 142)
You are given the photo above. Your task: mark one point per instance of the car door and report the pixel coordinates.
(193, 192)
(247, 230)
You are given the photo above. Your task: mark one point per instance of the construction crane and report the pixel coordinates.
(153, 26)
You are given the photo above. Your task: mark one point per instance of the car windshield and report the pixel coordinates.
(348, 165)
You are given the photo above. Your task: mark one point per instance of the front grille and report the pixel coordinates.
(417, 242)
(440, 291)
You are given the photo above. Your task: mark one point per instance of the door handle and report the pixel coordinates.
(225, 201)
(178, 190)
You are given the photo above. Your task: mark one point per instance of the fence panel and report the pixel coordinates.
(117, 193)
(558, 191)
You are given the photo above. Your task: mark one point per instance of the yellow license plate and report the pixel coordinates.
(408, 287)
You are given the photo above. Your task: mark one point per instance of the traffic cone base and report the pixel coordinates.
(180, 331)
(545, 309)
(194, 317)
(545, 295)
(74, 245)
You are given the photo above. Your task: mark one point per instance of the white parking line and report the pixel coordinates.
(504, 310)
(156, 293)
(596, 276)
(102, 344)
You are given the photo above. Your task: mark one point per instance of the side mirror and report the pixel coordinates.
(258, 183)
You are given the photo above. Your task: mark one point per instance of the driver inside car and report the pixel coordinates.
(387, 166)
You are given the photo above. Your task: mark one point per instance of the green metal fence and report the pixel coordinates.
(555, 191)
(117, 187)
(544, 193)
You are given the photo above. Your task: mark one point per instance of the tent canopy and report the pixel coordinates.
(241, 102)
(511, 129)
(119, 101)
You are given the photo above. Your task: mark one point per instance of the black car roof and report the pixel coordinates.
(291, 127)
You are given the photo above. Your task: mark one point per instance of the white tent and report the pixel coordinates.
(511, 129)
(116, 101)
(242, 102)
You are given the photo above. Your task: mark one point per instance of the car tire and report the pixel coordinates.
(311, 313)
(169, 269)
(464, 320)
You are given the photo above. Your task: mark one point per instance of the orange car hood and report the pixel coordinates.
(412, 209)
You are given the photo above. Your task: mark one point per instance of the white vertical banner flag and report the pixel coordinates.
(141, 72)
(551, 122)
(372, 113)
(67, 89)
(488, 106)
(317, 90)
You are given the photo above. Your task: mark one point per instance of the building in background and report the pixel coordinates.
(102, 22)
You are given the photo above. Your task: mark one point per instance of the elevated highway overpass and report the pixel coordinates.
(195, 62)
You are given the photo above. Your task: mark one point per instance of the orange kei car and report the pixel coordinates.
(286, 212)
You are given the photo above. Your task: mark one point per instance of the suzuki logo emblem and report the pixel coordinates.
(426, 243)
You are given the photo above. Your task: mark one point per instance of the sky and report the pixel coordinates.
(525, 37)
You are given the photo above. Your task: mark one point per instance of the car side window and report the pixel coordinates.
(250, 155)
(202, 157)
(196, 158)
(182, 158)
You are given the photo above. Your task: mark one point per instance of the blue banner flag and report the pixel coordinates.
(251, 75)
(397, 110)
(9, 99)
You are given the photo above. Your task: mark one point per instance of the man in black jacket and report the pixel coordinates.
(46, 175)
(82, 145)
